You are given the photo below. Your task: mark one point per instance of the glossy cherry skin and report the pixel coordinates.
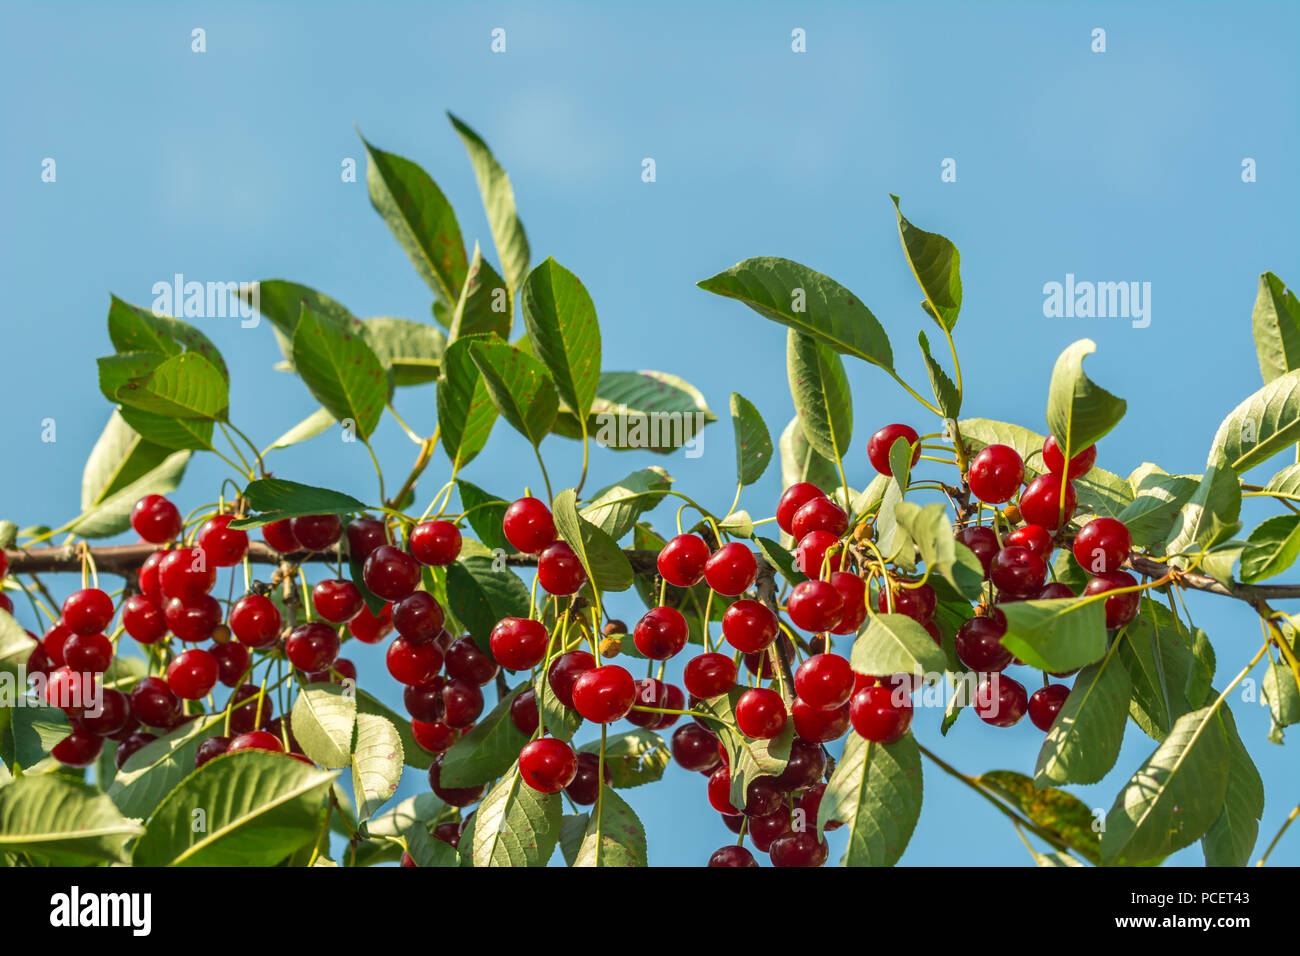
(749, 626)
(317, 532)
(1045, 703)
(559, 571)
(80, 748)
(824, 681)
(194, 620)
(1054, 590)
(819, 514)
(192, 674)
(682, 560)
(156, 519)
(732, 855)
(224, 546)
(244, 704)
(71, 691)
(154, 702)
(528, 525)
(55, 639)
(547, 765)
(278, 536)
(1017, 571)
(1120, 608)
(816, 606)
(87, 611)
(853, 595)
(996, 473)
(340, 672)
(519, 643)
(1000, 700)
(695, 748)
(233, 661)
(337, 600)
(418, 617)
(411, 663)
(760, 713)
(435, 543)
(661, 633)
(312, 647)
(455, 796)
(979, 646)
(583, 788)
(1102, 545)
(805, 767)
(210, 748)
(731, 569)
(650, 692)
(462, 703)
(604, 694)
(130, 745)
(88, 653)
(371, 628)
(143, 619)
(1032, 536)
(1079, 464)
(186, 574)
(255, 620)
(810, 554)
(148, 578)
(918, 603)
(719, 791)
(523, 712)
(819, 725)
(364, 535)
(880, 714)
(112, 714)
(763, 830)
(564, 672)
(708, 675)
(464, 661)
(763, 796)
(424, 701)
(792, 499)
(435, 736)
(982, 541)
(1040, 503)
(256, 740)
(881, 442)
(391, 573)
(799, 848)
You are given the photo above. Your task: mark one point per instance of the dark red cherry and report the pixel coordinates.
(88, 653)
(1045, 703)
(256, 740)
(364, 535)
(732, 855)
(112, 714)
(87, 611)
(799, 848)
(80, 748)
(411, 663)
(918, 603)
(154, 703)
(749, 626)
(278, 536)
(418, 617)
(880, 714)
(982, 541)
(1000, 701)
(583, 789)
(463, 660)
(55, 639)
(523, 712)
(1120, 608)
(435, 543)
(682, 560)
(1080, 464)
(650, 692)
(695, 748)
(455, 796)
(1102, 545)
(233, 661)
(995, 474)
(244, 703)
(337, 600)
(317, 532)
(424, 701)
(731, 569)
(312, 647)
(193, 620)
(604, 694)
(156, 519)
(1018, 571)
(881, 442)
(547, 765)
(979, 644)
(528, 525)
(462, 703)
(661, 633)
(518, 643)
(1055, 590)
(709, 675)
(565, 671)
(130, 745)
(212, 747)
(143, 619)
(255, 620)
(820, 725)
(391, 573)
(805, 767)
(224, 546)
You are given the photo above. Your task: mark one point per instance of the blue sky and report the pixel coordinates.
(1115, 166)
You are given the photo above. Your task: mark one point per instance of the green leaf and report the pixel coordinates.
(1231, 838)
(1276, 324)
(753, 441)
(945, 392)
(1057, 635)
(466, 413)
(779, 558)
(875, 791)
(573, 827)
(1169, 678)
(14, 642)
(1286, 483)
(499, 203)
(1103, 493)
(421, 219)
(936, 263)
(633, 758)
(133, 329)
(559, 721)
(341, 371)
(896, 644)
(1062, 813)
(516, 825)
(606, 565)
(615, 508)
(122, 469)
(485, 511)
(279, 498)
(1263, 425)
(931, 531)
(481, 594)
(183, 386)
(641, 411)
(488, 750)
(614, 835)
(800, 461)
(1174, 797)
(822, 400)
(807, 301)
(1272, 548)
(428, 851)
(412, 753)
(377, 762)
(562, 327)
(317, 423)
(282, 303)
(1155, 506)
(519, 386)
(1278, 690)
(411, 350)
(153, 771)
(31, 734)
(176, 434)
(1083, 742)
(1210, 514)
(486, 303)
(1079, 412)
(323, 719)
(63, 820)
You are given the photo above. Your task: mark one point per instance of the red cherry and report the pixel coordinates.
(583, 788)
(661, 633)
(918, 603)
(6, 603)
(732, 855)
(243, 704)
(154, 702)
(454, 796)
(811, 553)
(820, 514)
(815, 605)
(682, 560)
(879, 444)
(148, 577)
(312, 647)
(564, 672)
(143, 620)
(982, 541)
(1032, 536)
(1000, 701)
(256, 740)
(110, 717)
(1055, 590)
(559, 571)
(462, 703)
(186, 574)
(193, 620)
(880, 714)
(255, 620)
(1120, 608)
(364, 535)
(995, 474)
(413, 663)
(224, 546)
(424, 701)
(418, 617)
(523, 712)
(695, 748)
(817, 725)
(709, 675)
(88, 653)
(1045, 703)
(792, 499)
(1040, 503)
(391, 573)
(279, 537)
(762, 662)
(336, 600)
(853, 593)
(805, 767)
(528, 525)
(548, 765)
(719, 791)
(801, 848)
(1018, 572)
(233, 661)
(604, 694)
(192, 674)
(435, 543)
(518, 643)
(979, 644)
(464, 660)
(210, 748)
(54, 641)
(130, 745)
(340, 672)
(317, 532)
(80, 748)
(156, 519)
(435, 737)
(824, 681)
(764, 831)
(1079, 464)
(650, 692)
(1102, 545)
(760, 713)
(371, 628)
(763, 796)
(87, 611)
(749, 626)
(731, 569)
